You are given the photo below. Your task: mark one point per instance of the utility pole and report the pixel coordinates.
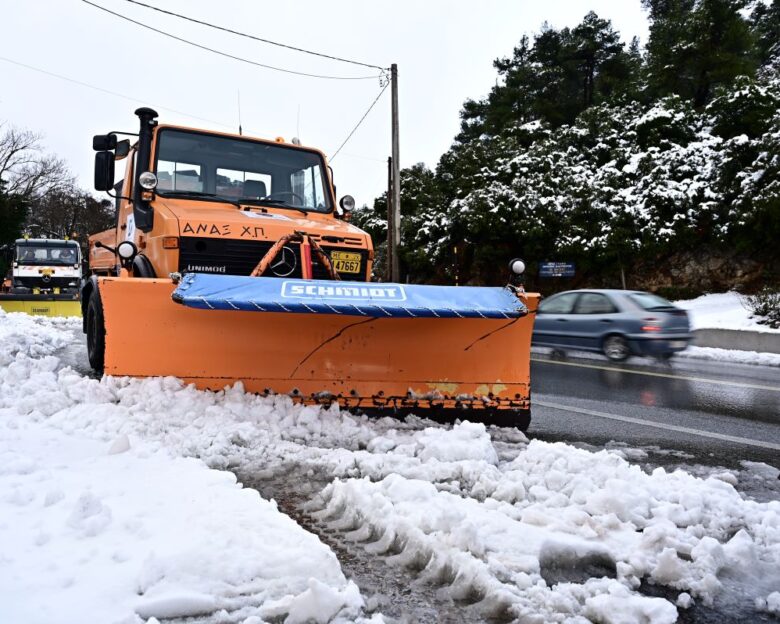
(390, 229)
(396, 178)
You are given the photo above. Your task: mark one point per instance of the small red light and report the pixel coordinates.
(651, 328)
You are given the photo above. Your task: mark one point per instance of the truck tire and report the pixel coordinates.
(96, 332)
(142, 267)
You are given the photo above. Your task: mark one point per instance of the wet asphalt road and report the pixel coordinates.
(577, 397)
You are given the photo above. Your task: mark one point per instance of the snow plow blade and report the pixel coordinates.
(436, 351)
(42, 305)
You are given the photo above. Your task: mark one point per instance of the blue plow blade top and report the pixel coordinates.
(273, 294)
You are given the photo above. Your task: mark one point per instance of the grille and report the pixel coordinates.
(239, 257)
(39, 282)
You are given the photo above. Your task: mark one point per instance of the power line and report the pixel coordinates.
(268, 41)
(114, 93)
(359, 122)
(225, 54)
(173, 110)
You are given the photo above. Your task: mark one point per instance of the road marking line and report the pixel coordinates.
(666, 375)
(656, 425)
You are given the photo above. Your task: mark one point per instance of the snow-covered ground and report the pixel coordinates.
(722, 311)
(116, 506)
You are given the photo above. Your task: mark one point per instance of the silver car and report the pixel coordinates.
(617, 323)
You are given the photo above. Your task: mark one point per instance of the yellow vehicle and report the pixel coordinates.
(44, 277)
(232, 261)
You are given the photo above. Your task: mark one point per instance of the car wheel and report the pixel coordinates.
(665, 357)
(616, 348)
(96, 332)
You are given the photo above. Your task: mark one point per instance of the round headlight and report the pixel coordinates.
(126, 250)
(347, 203)
(147, 180)
(517, 266)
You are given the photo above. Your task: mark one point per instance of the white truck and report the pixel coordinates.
(44, 277)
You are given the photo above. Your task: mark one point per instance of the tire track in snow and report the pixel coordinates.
(395, 590)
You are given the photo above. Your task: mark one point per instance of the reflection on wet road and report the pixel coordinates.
(728, 401)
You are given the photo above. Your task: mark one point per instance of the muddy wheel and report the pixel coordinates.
(96, 332)
(616, 348)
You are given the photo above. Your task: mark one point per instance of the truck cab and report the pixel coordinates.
(43, 277)
(43, 266)
(197, 201)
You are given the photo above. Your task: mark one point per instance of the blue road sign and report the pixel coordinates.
(556, 269)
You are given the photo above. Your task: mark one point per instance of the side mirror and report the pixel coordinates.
(104, 171)
(103, 142)
(122, 149)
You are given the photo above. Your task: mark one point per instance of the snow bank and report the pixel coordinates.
(108, 535)
(731, 355)
(33, 335)
(97, 521)
(721, 311)
(556, 507)
(545, 532)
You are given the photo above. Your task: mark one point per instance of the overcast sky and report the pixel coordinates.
(444, 50)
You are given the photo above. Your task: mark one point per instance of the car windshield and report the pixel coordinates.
(47, 254)
(232, 169)
(649, 301)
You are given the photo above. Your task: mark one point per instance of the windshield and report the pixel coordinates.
(223, 167)
(48, 254)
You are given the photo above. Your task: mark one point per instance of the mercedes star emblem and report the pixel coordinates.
(284, 263)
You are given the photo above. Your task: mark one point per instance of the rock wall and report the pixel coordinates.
(701, 270)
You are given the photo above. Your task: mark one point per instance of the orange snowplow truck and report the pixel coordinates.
(232, 262)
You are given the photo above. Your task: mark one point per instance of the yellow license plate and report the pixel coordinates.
(346, 262)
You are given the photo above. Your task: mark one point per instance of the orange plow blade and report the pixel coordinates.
(469, 368)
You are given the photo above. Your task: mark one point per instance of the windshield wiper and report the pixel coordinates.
(274, 202)
(254, 201)
(196, 194)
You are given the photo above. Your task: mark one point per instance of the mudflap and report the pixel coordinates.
(445, 368)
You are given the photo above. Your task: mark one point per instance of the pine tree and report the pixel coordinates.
(765, 21)
(696, 46)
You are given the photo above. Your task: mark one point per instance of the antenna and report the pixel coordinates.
(238, 91)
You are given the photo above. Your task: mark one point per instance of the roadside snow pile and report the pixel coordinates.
(97, 522)
(537, 531)
(555, 508)
(33, 335)
(86, 533)
(731, 355)
(721, 311)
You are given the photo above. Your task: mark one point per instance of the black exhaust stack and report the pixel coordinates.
(142, 211)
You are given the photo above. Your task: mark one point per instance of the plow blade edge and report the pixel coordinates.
(430, 351)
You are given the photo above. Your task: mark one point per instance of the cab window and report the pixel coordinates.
(233, 183)
(179, 176)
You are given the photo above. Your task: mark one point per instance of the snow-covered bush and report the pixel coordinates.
(765, 304)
